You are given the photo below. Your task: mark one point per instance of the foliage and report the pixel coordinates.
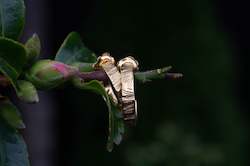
(73, 50)
(20, 65)
(11, 18)
(13, 149)
(13, 57)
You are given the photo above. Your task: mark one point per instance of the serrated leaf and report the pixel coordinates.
(12, 59)
(13, 150)
(33, 47)
(27, 92)
(116, 124)
(12, 16)
(73, 50)
(11, 115)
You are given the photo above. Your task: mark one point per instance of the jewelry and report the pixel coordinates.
(107, 63)
(127, 66)
(121, 89)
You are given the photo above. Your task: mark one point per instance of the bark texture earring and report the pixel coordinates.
(127, 67)
(107, 63)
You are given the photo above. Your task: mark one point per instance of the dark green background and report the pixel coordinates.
(197, 121)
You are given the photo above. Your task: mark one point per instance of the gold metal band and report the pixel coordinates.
(107, 63)
(127, 66)
(122, 82)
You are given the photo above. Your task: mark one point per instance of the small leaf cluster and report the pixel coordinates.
(22, 70)
(13, 58)
(26, 73)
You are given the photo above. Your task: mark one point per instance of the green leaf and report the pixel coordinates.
(73, 50)
(12, 13)
(33, 47)
(11, 115)
(116, 124)
(13, 150)
(12, 59)
(27, 92)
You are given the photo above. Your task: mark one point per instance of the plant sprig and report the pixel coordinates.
(21, 69)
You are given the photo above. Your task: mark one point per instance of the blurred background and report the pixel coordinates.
(201, 120)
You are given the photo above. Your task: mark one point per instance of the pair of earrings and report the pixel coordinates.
(121, 86)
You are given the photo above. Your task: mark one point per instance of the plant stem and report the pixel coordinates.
(162, 73)
(139, 76)
(99, 75)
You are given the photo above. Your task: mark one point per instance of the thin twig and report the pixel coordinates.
(143, 77)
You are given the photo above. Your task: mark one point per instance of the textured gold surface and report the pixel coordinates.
(127, 66)
(107, 63)
(121, 88)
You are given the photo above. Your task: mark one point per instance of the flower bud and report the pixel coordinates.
(33, 47)
(27, 92)
(47, 74)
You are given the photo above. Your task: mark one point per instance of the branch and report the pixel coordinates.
(99, 75)
(143, 77)
(162, 73)
(48, 74)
